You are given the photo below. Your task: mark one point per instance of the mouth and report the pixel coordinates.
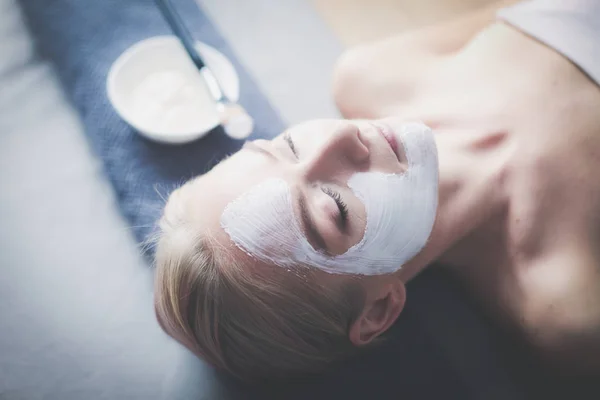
(388, 134)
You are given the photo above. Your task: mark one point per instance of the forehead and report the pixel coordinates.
(205, 197)
(316, 130)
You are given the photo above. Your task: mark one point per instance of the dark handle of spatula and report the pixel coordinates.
(178, 27)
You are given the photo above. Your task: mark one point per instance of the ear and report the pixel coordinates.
(380, 312)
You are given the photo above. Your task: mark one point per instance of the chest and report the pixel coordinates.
(553, 207)
(553, 193)
(551, 113)
(550, 110)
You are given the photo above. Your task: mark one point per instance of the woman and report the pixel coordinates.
(295, 252)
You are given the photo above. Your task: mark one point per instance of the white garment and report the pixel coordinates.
(571, 27)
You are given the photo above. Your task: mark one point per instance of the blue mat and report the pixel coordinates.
(83, 38)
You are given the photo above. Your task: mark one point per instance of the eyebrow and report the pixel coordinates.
(311, 230)
(249, 145)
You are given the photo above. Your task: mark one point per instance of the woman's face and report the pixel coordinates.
(317, 178)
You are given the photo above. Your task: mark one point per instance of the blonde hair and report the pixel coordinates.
(263, 322)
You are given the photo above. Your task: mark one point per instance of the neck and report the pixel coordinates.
(472, 187)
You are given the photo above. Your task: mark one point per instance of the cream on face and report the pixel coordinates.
(400, 212)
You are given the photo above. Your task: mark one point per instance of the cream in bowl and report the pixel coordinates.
(157, 89)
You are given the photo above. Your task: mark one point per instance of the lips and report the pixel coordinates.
(389, 136)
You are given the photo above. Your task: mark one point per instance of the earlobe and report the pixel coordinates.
(379, 314)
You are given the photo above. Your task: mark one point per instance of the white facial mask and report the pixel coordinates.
(400, 209)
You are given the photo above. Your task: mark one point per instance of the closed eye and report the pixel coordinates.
(342, 220)
(288, 138)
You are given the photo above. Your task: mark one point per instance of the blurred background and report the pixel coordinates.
(358, 21)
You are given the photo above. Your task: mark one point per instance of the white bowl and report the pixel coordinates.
(145, 77)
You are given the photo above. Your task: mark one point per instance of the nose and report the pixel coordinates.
(340, 154)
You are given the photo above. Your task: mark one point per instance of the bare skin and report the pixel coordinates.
(526, 119)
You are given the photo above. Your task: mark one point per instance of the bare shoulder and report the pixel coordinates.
(561, 309)
(379, 78)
